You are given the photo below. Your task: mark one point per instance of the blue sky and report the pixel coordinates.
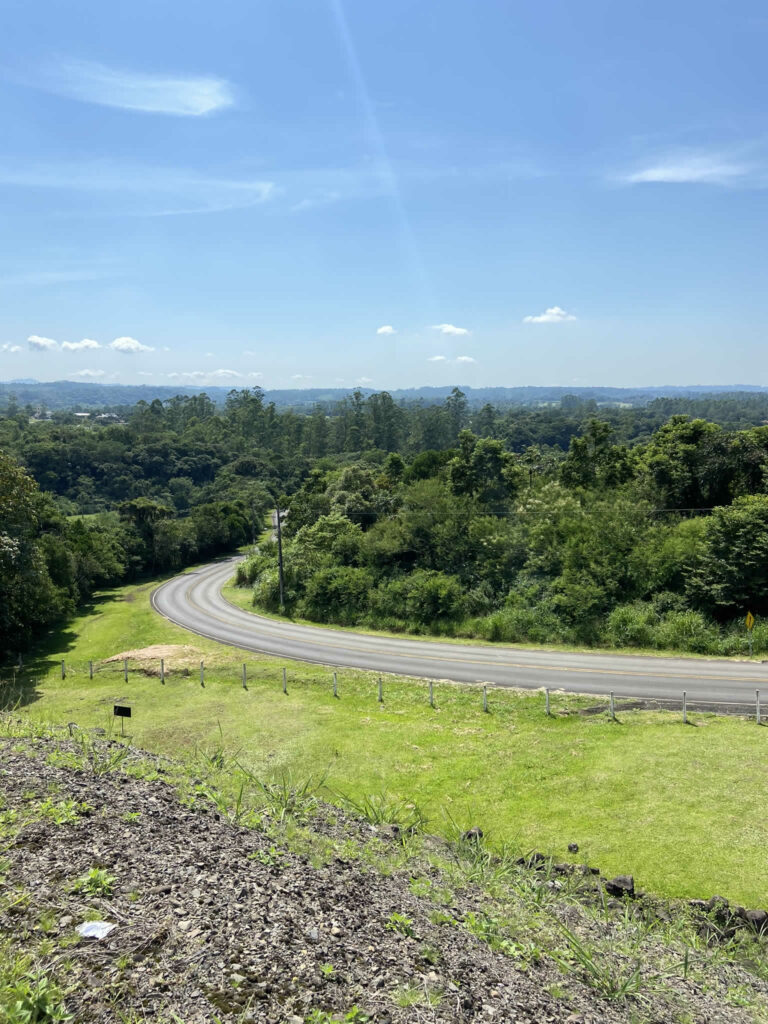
(327, 192)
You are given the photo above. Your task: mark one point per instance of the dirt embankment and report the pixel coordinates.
(214, 921)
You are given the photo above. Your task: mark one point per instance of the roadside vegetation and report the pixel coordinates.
(637, 795)
(568, 524)
(663, 545)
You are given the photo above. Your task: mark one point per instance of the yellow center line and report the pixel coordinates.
(465, 661)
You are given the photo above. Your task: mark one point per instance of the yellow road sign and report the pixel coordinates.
(750, 620)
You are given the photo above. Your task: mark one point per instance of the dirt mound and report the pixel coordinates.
(175, 656)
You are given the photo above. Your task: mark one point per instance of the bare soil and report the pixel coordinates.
(216, 922)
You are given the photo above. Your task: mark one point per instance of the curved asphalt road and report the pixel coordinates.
(195, 602)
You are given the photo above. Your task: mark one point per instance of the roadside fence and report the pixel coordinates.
(162, 671)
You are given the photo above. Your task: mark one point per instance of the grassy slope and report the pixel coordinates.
(677, 806)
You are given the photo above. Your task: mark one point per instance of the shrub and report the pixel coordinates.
(519, 624)
(337, 595)
(688, 631)
(631, 625)
(424, 596)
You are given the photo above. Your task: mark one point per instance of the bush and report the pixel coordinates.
(423, 596)
(519, 624)
(337, 595)
(688, 631)
(631, 625)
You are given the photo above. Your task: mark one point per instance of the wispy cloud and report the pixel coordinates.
(141, 189)
(40, 344)
(694, 167)
(445, 359)
(363, 381)
(386, 329)
(553, 315)
(89, 373)
(213, 377)
(129, 346)
(50, 277)
(146, 190)
(10, 348)
(300, 376)
(183, 96)
(449, 329)
(79, 346)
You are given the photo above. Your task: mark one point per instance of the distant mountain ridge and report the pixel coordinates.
(66, 394)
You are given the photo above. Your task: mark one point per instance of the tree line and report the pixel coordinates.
(663, 544)
(566, 522)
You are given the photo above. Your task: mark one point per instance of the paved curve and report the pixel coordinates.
(195, 602)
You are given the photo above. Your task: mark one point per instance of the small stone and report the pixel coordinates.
(472, 835)
(573, 847)
(236, 979)
(621, 885)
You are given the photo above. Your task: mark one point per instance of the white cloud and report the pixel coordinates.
(688, 167)
(386, 329)
(145, 373)
(553, 315)
(183, 96)
(362, 381)
(465, 359)
(10, 348)
(205, 376)
(41, 344)
(436, 359)
(89, 373)
(449, 329)
(78, 346)
(300, 376)
(129, 346)
(256, 376)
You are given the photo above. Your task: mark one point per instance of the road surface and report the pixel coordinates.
(195, 602)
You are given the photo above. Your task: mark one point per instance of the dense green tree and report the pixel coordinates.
(731, 577)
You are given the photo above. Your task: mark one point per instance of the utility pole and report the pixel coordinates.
(280, 558)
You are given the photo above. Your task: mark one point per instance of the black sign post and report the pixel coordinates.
(122, 711)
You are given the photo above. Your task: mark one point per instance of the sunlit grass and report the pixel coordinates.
(679, 807)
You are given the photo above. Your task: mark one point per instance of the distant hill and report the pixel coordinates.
(65, 394)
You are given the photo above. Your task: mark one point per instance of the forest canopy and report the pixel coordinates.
(567, 523)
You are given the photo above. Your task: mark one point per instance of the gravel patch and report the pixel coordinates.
(216, 921)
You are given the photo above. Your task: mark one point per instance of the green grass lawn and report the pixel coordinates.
(680, 807)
